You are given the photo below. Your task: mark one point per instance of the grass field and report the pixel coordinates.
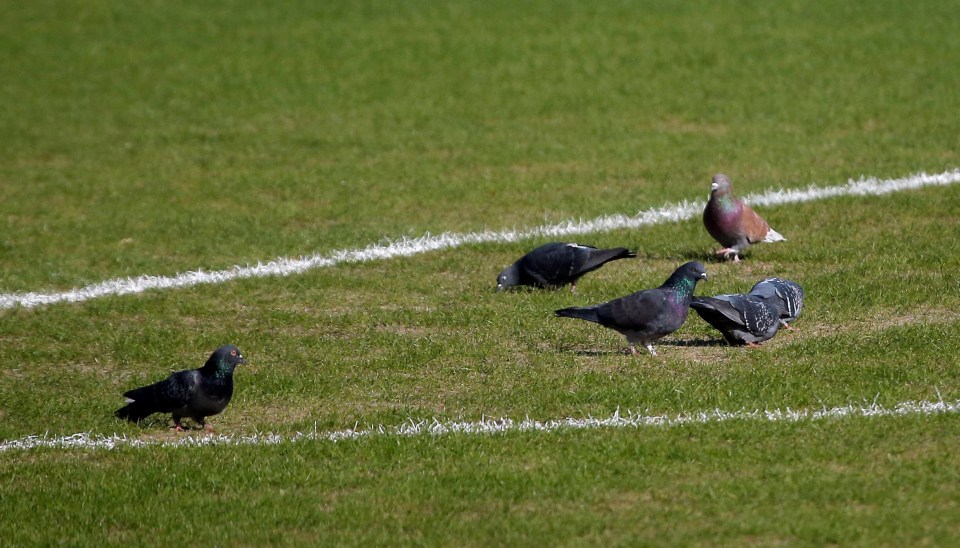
(162, 137)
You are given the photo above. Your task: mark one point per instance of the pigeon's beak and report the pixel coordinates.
(242, 360)
(714, 187)
(499, 288)
(703, 276)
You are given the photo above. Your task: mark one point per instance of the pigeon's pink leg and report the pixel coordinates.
(753, 345)
(727, 251)
(573, 287)
(208, 428)
(176, 425)
(633, 350)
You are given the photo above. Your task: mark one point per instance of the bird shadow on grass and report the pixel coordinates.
(685, 255)
(696, 342)
(165, 424)
(591, 352)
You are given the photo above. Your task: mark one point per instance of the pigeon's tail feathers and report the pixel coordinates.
(141, 403)
(600, 257)
(588, 313)
(133, 411)
(773, 236)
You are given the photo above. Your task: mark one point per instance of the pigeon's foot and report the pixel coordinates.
(727, 251)
(633, 350)
(573, 288)
(786, 325)
(208, 428)
(177, 428)
(753, 345)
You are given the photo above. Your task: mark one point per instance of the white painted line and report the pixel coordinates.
(404, 247)
(492, 426)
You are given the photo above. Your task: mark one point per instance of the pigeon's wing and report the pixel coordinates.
(588, 259)
(765, 289)
(741, 318)
(785, 294)
(761, 318)
(753, 226)
(170, 394)
(719, 311)
(635, 311)
(550, 264)
(793, 297)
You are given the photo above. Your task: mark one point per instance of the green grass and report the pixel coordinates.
(157, 138)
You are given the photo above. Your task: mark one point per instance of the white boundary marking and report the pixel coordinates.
(404, 247)
(487, 426)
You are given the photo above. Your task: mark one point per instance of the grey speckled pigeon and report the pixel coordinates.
(557, 264)
(646, 315)
(194, 393)
(732, 223)
(787, 295)
(743, 319)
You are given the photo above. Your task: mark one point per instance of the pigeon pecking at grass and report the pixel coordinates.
(732, 223)
(785, 294)
(742, 319)
(557, 264)
(647, 315)
(193, 393)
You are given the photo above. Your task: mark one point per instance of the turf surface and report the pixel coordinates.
(162, 137)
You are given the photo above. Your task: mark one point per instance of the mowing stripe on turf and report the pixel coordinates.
(284, 266)
(492, 426)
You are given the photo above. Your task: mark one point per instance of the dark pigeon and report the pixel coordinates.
(743, 319)
(732, 223)
(786, 295)
(194, 393)
(557, 264)
(647, 315)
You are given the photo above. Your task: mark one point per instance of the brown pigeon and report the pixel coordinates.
(732, 223)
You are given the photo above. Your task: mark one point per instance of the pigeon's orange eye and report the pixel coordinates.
(233, 352)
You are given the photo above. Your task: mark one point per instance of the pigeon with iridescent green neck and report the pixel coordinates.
(732, 223)
(647, 315)
(194, 393)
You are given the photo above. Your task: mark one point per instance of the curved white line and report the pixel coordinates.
(284, 266)
(434, 427)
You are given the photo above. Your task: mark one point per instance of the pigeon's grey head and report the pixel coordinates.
(508, 278)
(693, 270)
(721, 184)
(228, 355)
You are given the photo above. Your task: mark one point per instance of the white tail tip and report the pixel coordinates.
(773, 236)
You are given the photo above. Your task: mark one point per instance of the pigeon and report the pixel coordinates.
(786, 295)
(557, 264)
(743, 319)
(732, 223)
(646, 315)
(193, 393)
